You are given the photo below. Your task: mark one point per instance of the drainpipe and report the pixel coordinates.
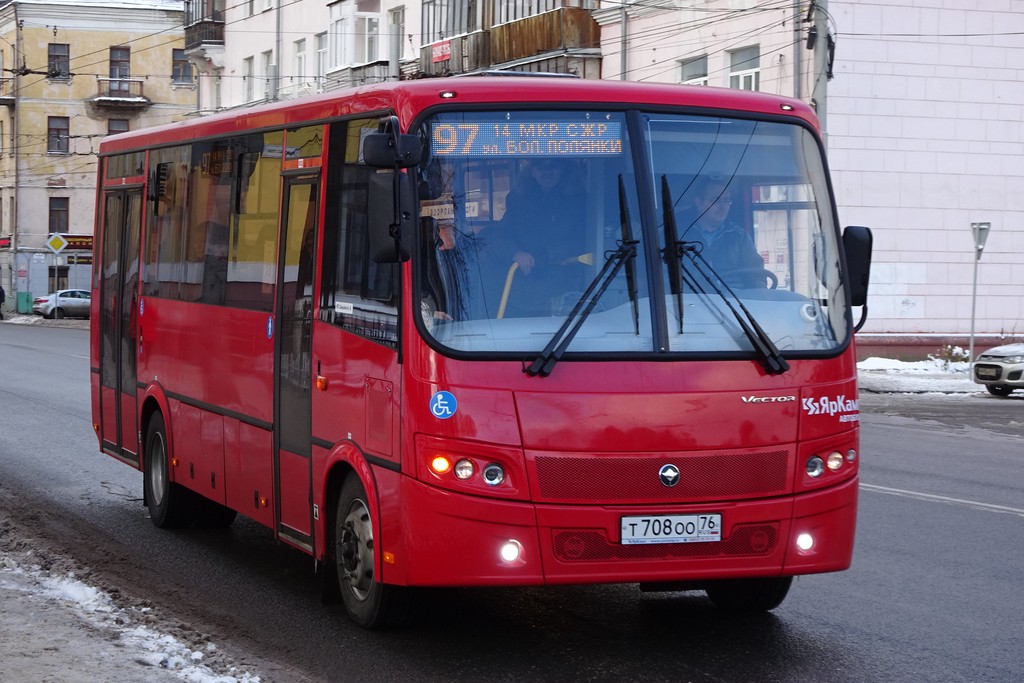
(797, 51)
(623, 38)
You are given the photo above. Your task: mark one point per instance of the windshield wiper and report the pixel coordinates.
(626, 227)
(552, 353)
(769, 355)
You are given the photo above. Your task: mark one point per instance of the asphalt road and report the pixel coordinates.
(934, 593)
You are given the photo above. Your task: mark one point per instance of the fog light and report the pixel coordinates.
(851, 455)
(440, 464)
(804, 542)
(815, 466)
(494, 474)
(464, 469)
(511, 551)
(835, 461)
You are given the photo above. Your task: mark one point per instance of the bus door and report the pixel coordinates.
(122, 224)
(292, 409)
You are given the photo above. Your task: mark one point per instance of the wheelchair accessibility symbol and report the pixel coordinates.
(443, 405)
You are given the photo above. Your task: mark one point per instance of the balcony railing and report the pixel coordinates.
(206, 32)
(120, 92)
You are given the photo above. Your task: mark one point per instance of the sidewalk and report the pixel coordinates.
(59, 628)
(22, 319)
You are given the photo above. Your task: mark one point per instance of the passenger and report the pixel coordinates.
(723, 243)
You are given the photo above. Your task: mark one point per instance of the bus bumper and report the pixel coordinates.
(458, 540)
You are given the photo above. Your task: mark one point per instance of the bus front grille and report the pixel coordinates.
(600, 479)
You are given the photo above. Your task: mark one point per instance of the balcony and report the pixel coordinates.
(120, 93)
(203, 33)
(566, 31)
(7, 97)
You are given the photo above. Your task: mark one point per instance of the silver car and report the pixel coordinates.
(66, 303)
(1001, 369)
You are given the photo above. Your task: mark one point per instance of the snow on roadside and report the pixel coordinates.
(886, 375)
(56, 624)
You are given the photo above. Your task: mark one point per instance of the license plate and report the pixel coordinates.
(672, 529)
(987, 372)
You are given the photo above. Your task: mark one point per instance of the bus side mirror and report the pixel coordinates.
(388, 148)
(857, 245)
(389, 231)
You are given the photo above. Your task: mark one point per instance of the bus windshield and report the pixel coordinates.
(636, 231)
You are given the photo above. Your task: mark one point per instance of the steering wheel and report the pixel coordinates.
(750, 274)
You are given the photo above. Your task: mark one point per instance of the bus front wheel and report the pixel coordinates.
(369, 603)
(170, 505)
(749, 595)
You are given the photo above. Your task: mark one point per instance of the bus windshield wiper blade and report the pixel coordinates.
(552, 353)
(626, 227)
(770, 356)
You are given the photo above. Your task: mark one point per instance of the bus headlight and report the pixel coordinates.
(493, 474)
(835, 461)
(815, 467)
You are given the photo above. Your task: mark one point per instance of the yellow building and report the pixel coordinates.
(72, 73)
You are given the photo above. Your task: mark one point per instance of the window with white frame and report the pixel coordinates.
(247, 79)
(321, 59)
(745, 68)
(299, 69)
(367, 38)
(267, 71)
(694, 71)
(336, 38)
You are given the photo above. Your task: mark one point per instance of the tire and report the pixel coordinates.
(369, 603)
(749, 595)
(999, 389)
(171, 506)
(58, 313)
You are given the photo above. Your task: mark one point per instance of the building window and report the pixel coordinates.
(321, 60)
(745, 68)
(57, 131)
(268, 68)
(59, 61)
(694, 71)
(59, 214)
(367, 38)
(181, 68)
(120, 70)
(300, 61)
(337, 42)
(247, 79)
(115, 126)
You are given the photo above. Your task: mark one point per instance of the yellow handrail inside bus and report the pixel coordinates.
(508, 286)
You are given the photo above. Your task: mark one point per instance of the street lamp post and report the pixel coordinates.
(979, 231)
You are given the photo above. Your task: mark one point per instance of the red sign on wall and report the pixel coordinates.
(441, 52)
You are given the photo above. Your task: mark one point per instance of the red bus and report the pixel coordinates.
(500, 331)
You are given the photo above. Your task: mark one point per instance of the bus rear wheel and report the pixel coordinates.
(369, 603)
(171, 505)
(749, 595)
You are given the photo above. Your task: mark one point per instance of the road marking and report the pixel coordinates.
(989, 507)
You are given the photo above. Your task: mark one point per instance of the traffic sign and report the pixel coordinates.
(56, 243)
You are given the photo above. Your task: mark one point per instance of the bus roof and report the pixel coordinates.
(409, 98)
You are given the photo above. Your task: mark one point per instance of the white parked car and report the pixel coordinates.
(1001, 369)
(66, 303)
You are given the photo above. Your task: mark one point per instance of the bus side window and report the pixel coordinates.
(356, 293)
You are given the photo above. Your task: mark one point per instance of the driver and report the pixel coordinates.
(724, 244)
